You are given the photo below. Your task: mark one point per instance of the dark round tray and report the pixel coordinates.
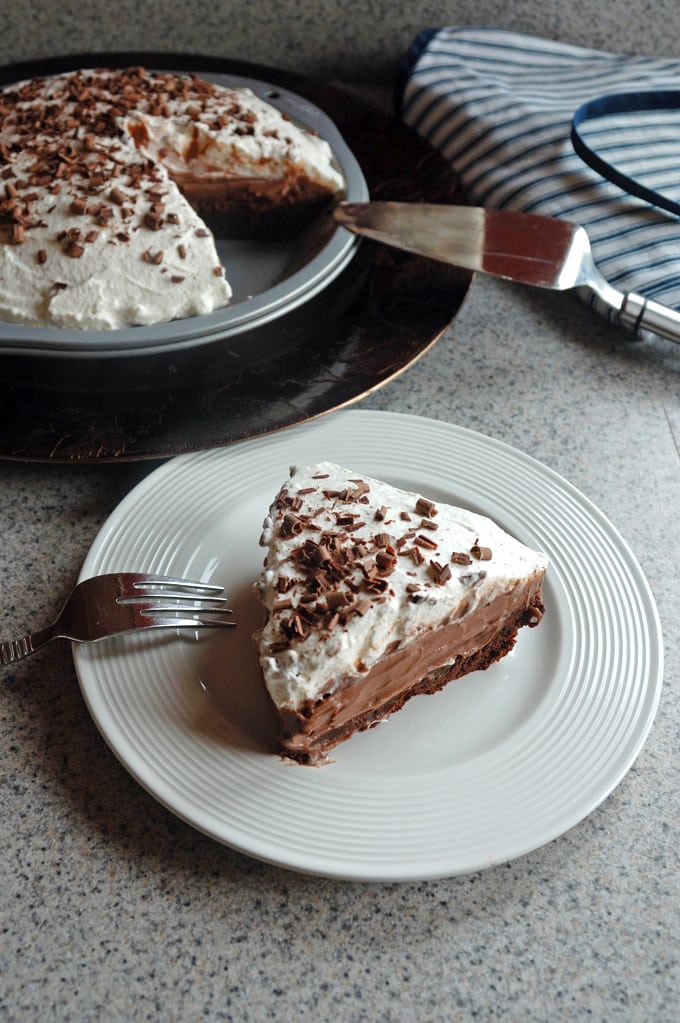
(383, 312)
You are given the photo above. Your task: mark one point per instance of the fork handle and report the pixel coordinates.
(16, 649)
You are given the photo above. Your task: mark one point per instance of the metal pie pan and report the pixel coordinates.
(269, 279)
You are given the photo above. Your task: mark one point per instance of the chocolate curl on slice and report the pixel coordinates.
(385, 561)
(461, 558)
(416, 555)
(440, 573)
(424, 541)
(336, 599)
(291, 525)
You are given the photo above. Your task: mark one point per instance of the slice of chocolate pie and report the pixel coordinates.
(374, 595)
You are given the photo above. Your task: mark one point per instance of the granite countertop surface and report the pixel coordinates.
(112, 908)
(355, 42)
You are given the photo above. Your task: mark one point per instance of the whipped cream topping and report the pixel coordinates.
(355, 568)
(94, 231)
(234, 134)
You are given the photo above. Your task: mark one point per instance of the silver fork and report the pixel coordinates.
(108, 605)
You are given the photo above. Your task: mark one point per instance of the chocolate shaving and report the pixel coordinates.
(74, 249)
(385, 561)
(426, 507)
(461, 558)
(153, 220)
(425, 541)
(344, 518)
(351, 528)
(317, 553)
(294, 627)
(103, 215)
(480, 553)
(278, 647)
(440, 573)
(291, 525)
(155, 258)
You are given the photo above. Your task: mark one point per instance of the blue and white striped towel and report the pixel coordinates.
(499, 106)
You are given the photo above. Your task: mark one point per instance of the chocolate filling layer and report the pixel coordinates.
(253, 207)
(424, 665)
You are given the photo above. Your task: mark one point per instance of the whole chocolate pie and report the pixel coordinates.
(112, 182)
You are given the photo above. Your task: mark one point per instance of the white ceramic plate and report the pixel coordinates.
(268, 279)
(496, 765)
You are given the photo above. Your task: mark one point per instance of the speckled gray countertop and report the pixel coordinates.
(113, 909)
(354, 41)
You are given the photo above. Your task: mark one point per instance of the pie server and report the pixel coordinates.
(542, 251)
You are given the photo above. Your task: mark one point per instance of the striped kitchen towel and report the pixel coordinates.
(500, 106)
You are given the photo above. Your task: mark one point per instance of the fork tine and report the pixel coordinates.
(155, 615)
(120, 602)
(153, 607)
(151, 599)
(162, 582)
(138, 587)
(197, 621)
(186, 623)
(135, 583)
